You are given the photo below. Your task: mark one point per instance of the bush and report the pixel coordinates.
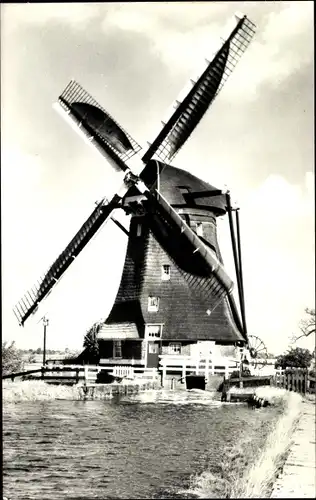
(12, 360)
(294, 358)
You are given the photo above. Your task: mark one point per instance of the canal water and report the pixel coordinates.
(152, 445)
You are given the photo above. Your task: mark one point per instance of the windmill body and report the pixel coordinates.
(158, 310)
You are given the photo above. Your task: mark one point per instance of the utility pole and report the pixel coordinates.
(45, 324)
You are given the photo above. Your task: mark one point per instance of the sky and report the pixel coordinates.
(257, 139)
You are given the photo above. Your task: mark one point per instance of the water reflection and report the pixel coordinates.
(139, 446)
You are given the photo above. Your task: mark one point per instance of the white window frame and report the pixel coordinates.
(153, 348)
(165, 272)
(174, 348)
(153, 331)
(153, 304)
(199, 229)
(117, 347)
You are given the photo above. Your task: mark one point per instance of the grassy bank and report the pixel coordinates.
(251, 466)
(38, 390)
(257, 480)
(15, 392)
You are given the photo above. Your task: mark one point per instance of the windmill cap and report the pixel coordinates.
(176, 183)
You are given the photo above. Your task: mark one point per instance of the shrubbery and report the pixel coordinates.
(12, 360)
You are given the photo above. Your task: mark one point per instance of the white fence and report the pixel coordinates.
(197, 365)
(88, 374)
(123, 371)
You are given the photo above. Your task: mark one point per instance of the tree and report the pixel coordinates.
(295, 358)
(12, 360)
(307, 325)
(91, 343)
(31, 358)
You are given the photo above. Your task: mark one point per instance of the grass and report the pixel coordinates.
(38, 390)
(14, 392)
(257, 480)
(251, 466)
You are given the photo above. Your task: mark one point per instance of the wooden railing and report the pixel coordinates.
(72, 374)
(199, 366)
(295, 379)
(121, 361)
(85, 374)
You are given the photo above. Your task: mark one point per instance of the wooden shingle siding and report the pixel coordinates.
(183, 304)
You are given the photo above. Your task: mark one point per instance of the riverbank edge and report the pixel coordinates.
(23, 391)
(297, 477)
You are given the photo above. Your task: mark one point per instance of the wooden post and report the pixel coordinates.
(306, 383)
(86, 371)
(164, 373)
(236, 260)
(42, 373)
(77, 375)
(183, 370)
(206, 369)
(226, 369)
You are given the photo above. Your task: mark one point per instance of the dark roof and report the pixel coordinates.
(121, 330)
(177, 184)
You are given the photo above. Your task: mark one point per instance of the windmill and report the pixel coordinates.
(170, 227)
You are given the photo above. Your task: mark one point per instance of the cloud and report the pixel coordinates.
(75, 14)
(277, 235)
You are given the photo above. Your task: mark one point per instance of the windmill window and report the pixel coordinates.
(153, 304)
(153, 331)
(117, 349)
(153, 348)
(199, 229)
(138, 230)
(174, 348)
(165, 272)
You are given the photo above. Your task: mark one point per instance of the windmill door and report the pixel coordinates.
(152, 354)
(153, 339)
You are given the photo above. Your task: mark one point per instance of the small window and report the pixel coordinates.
(199, 229)
(153, 348)
(153, 304)
(174, 348)
(138, 230)
(165, 272)
(117, 349)
(153, 332)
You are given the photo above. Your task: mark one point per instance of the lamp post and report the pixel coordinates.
(45, 324)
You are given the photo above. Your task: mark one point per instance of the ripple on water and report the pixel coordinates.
(146, 446)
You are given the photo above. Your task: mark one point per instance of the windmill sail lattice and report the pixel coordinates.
(28, 304)
(190, 111)
(98, 125)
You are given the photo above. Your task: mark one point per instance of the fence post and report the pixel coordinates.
(226, 369)
(306, 383)
(183, 369)
(42, 372)
(86, 374)
(164, 373)
(77, 375)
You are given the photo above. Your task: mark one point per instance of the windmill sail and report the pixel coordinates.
(188, 112)
(97, 124)
(102, 132)
(197, 262)
(176, 233)
(29, 303)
